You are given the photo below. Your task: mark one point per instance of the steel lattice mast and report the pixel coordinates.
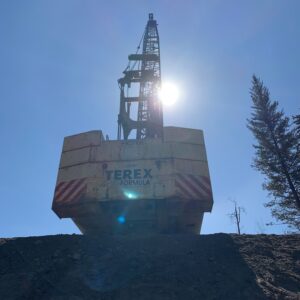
(145, 70)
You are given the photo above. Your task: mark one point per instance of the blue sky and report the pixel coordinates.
(60, 61)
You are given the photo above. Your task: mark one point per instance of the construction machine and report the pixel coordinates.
(151, 178)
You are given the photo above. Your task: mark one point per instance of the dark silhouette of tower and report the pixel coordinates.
(143, 70)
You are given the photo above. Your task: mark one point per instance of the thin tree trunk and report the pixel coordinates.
(286, 173)
(237, 218)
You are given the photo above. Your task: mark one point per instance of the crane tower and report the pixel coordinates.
(143, 69)
(154, 181)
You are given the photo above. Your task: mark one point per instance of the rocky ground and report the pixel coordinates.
(218, 266)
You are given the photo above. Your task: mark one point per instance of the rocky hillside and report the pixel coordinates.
(218, 266)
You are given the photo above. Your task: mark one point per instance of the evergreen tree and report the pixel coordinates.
(297, 126)
(297, 129)
(277, 155)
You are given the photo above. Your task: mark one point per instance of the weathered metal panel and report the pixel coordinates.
(153, 149)
(135, 179)
(80, 171)
(189, 151)
(118, 151)
(96, 171)
(74, 157)
(90, 138)
(133, 150)
(183, 135)
(191, 167)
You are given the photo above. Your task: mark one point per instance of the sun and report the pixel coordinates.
(169, 93)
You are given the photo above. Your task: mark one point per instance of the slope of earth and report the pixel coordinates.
(218, 266)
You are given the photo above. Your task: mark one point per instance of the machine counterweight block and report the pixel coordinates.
(151, 185)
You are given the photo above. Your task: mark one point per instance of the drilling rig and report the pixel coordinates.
(152, 178)
(145, 70)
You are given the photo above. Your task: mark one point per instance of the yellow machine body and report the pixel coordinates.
(124, 186)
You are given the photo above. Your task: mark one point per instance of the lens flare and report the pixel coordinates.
(130, 195)
(169, 93)
(121, 219)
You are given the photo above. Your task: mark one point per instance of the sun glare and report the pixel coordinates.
(169, 93)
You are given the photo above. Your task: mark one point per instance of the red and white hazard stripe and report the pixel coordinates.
(69, 191)
(193, 186)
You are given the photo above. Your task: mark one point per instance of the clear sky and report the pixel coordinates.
(59, 65)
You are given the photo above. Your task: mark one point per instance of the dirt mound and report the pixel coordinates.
(218, 266)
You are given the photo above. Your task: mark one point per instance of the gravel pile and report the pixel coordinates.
(218, 266)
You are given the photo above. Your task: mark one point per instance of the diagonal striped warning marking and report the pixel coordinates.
(69, 191)
(183, 190)
(193, 186)
(203, 183)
